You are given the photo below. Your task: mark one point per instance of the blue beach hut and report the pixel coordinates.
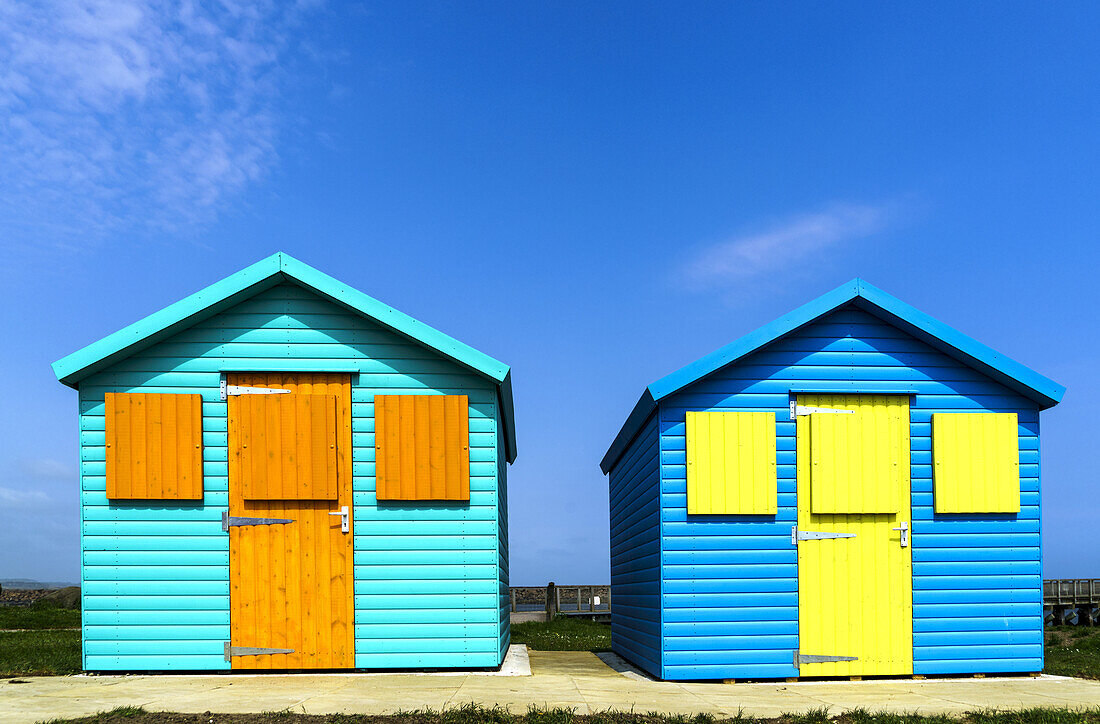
(280, 472)
(850, 490)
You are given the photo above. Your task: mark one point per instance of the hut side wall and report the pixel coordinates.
(636, 552)
(504, 629)
(730, 583)
(427, 576)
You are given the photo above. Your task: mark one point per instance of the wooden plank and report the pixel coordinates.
(298, 580)
(976, 459)
(288, 447)
(153, 446)
(422, 447)
(731, 463)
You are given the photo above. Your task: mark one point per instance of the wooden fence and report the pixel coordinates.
(1071, 601)
(1066, 601)
(592, 601)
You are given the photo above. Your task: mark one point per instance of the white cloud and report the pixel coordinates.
(48, 469)
(792, 243)
(12, 498)
(119, 114)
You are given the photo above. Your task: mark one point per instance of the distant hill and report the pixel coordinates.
(27, 583)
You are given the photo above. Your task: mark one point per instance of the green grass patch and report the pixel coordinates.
(474, 714)
(39, 615)
(564, 633)
(1073, 651)
(39, 653)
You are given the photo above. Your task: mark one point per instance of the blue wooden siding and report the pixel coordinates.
(427, 576)
(636, 551)
(729, 583)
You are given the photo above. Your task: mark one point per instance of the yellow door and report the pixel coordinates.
(290, 550)
(855, 582)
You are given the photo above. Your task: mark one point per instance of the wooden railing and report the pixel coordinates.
(1071, 601)
(588, 600)
(1066, 601)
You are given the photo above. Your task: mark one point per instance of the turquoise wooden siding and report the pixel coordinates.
(636, 552)
(429, 577)
(504, 629)
(729, 593)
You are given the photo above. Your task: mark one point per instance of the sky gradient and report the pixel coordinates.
(595, 194)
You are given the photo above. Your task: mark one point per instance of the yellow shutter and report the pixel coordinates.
(288, 447)
(154, 446)
(854, 455)
(731, 463)
(976, 458)
(422, 447)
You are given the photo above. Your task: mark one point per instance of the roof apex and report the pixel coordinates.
(1024, 380)
(255, 278)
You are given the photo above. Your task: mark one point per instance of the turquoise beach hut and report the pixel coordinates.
(280, 472)
(850, 490)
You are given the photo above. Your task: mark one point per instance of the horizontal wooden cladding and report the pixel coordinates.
(731, 463)
(129, 592)
(422, 447)
(976, 462)
(288, 447)
(153, 446)
(634, 491)
(976, 595)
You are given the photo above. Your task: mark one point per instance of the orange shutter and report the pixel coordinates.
(288, 447)
(154, 446)
(422, 447)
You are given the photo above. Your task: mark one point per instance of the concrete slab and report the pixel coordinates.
(580, 681)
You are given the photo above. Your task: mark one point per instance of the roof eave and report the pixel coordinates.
(163, 323)
(1009, 372)
(635, 421)
(1039, 388)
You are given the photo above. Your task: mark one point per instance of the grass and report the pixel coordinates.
(39, 615)
(1073, 651)
(564, 633)
(474, 714)
(39, 653)
(44, 645)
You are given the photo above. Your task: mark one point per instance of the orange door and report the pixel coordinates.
(290, 557)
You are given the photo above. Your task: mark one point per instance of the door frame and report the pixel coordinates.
(340, 653)
(882, 525)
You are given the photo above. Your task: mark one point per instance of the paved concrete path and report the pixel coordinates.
(578, 680)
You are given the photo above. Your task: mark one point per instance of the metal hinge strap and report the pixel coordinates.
(236, 390)
(800, 659)
(800, 410)
(232, 521)
(797, 535)
(231, 651)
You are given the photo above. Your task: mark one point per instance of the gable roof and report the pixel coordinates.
(1008, 372)
(264, 274)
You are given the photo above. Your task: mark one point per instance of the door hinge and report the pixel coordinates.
(235, 390)
(797, 535)
(800, 410)
(232, 521)
(231, 651)
(800, 659)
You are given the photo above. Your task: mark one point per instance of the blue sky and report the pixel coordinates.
(595, 194)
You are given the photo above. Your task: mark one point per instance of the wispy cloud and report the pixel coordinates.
(13, 498)
(119, 114)
(48, 469)
(794, 242)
